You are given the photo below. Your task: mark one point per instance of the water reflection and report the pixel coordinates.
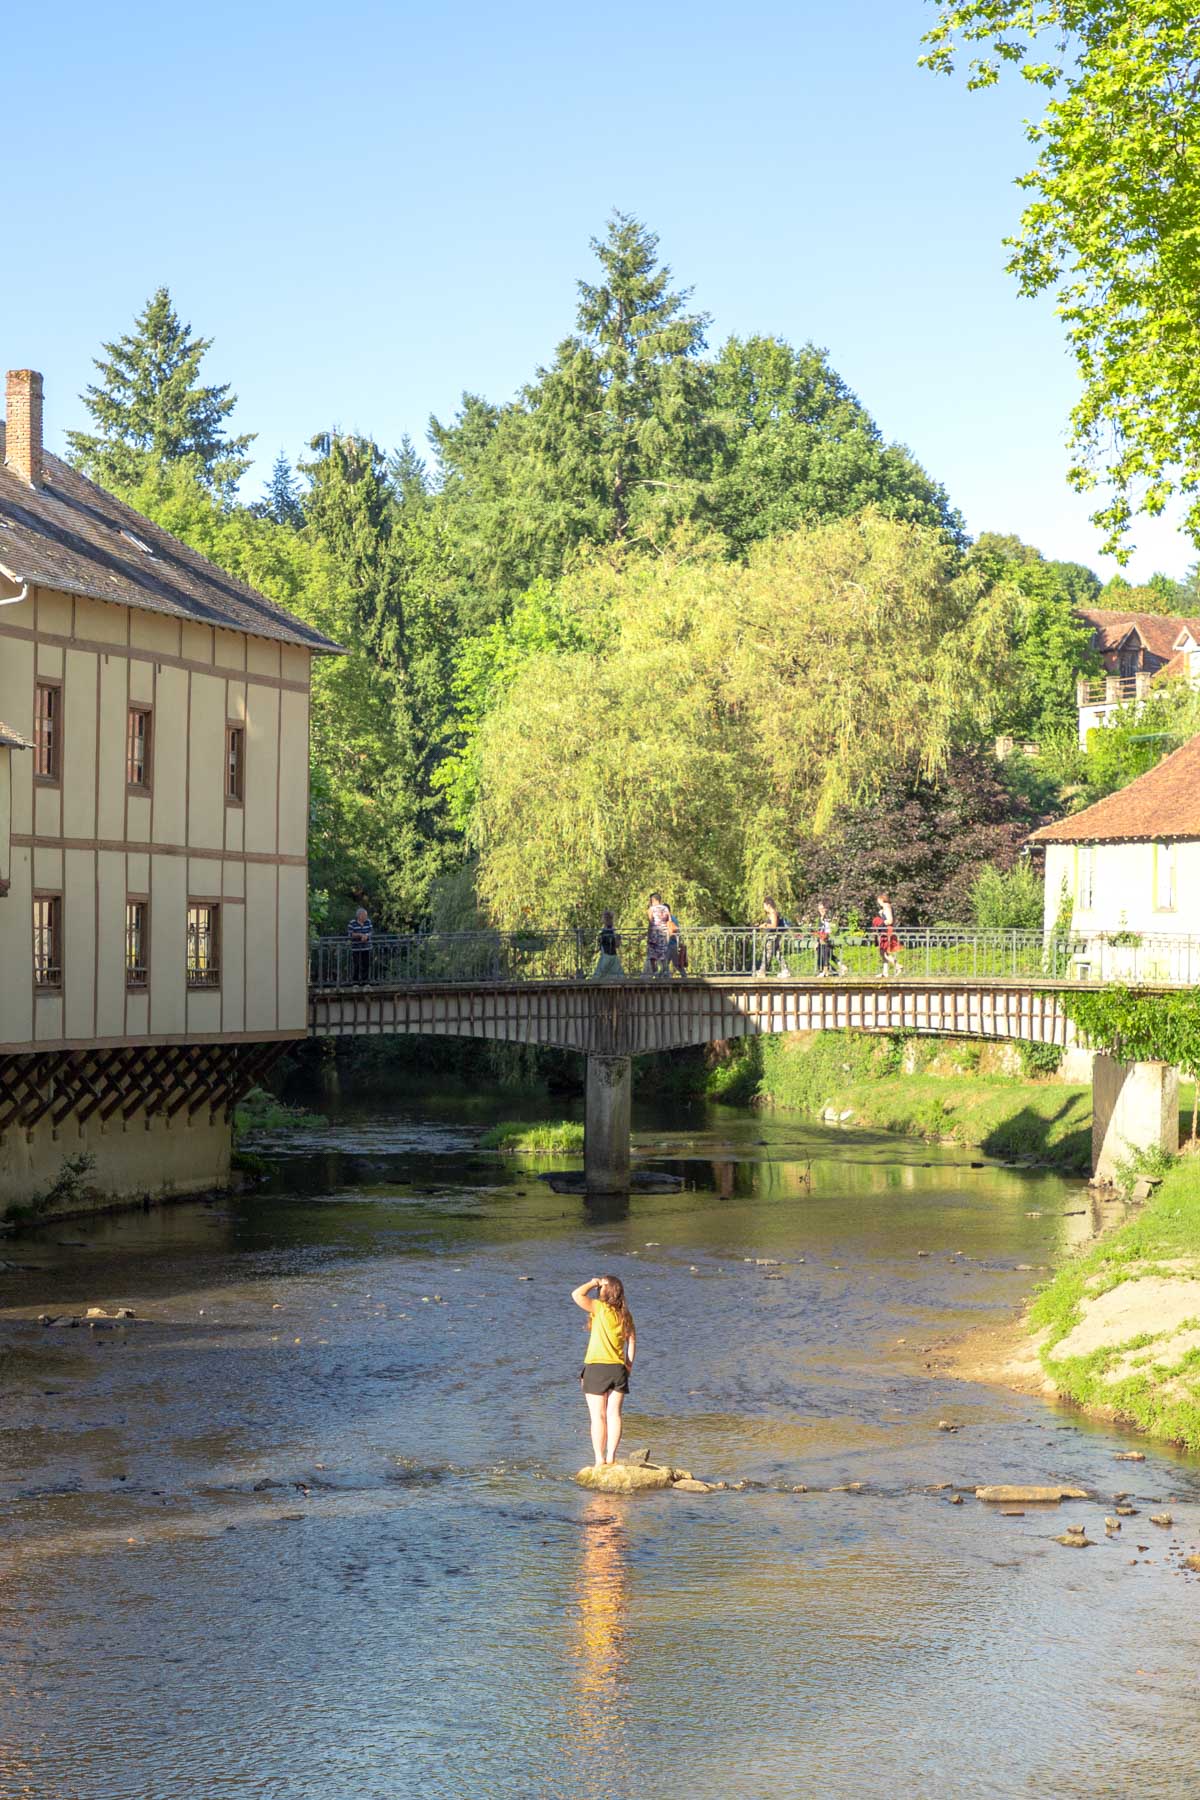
(600, 1632)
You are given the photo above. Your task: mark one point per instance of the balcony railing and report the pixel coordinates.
(1112, 690)
(725, 952)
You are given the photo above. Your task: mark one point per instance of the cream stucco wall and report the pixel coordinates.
(1124, 891)
(97, 843)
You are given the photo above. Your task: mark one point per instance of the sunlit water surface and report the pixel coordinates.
(306, 1527)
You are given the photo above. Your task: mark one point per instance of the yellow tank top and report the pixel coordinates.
(606, 1343)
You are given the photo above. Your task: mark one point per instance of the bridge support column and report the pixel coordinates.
(606, 1125)
(1135, 1106)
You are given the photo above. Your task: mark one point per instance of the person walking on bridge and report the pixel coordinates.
(360, 931)
(659, 917)
(608, 962)
(607, 1361)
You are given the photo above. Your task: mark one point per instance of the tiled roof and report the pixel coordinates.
(1163, 803)
(1156, 630)
(72, 535)
(12, 740)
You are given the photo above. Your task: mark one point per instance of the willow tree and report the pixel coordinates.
(730, 712)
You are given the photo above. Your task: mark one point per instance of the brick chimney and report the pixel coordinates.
(23, 426)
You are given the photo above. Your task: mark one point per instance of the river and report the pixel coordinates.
(304, 1527)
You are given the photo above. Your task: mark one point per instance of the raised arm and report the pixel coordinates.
(580, 1294)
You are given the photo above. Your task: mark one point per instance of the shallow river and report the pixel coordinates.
(305, 1526)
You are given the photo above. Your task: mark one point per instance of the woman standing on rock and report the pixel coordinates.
(607, 1362)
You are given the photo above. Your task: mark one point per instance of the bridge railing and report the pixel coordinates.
(477, 957)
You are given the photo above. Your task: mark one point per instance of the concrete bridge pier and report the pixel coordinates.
(1135, 1106)
(606, 1125)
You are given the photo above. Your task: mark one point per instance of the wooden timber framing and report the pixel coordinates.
(73, 1085)
(634, 1017)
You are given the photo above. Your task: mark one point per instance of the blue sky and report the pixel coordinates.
(374, 208)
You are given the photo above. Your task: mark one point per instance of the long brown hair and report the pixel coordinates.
(612, 1292)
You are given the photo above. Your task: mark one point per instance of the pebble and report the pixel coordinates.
(1075, 1540)
(1112, 1524)
(956, 1499)
(1127, 1512)
(799, 1488)
(1013, 1512)
(1163, 1519)
(946, 1425)
(1130, 1456)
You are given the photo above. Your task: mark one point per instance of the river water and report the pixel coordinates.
(305, 1526)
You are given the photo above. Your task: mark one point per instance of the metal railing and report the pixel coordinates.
(716, 952)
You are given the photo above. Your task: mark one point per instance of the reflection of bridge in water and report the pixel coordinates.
(532, 988)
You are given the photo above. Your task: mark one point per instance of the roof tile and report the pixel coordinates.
(1162, 803)
(72, 535)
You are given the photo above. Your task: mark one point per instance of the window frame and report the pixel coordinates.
(206, 980)
(48, 684)
(1165, 856)
(132, 984)
(235, 729)
(1085, 877)
(139, 710)
(42, 972)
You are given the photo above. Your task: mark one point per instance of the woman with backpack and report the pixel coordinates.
(608, 962)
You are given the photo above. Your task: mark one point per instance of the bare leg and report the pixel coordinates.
(599, 1424)
(615, 1402)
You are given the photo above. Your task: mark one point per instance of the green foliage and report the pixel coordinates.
(1138, 1027)
(1158, 595)
(793, 685)
(1008, 899)
(1162, 1239)
(152, 409)
(1040, 1059)
(1129, 1170)
(798, 448)
(1109, 228)
(70, 1188)
(1134, 738)
(262, 1111)
(281, 502)
(1050, 645)
(610, 441)
(516, 1138)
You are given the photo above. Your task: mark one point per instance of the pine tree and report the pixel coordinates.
(281, 502)
(614, 439)
(152, 409)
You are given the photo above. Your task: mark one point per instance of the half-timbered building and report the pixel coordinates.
(153, 827)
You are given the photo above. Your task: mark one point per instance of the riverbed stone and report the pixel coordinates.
(1075, 1539)
(624, 1478)
(689, 1485)
(1164, 1519)
(1011, 1494)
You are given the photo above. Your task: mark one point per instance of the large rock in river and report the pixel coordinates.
(624, 1478)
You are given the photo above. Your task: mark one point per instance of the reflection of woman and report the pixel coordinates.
(601, 1646)
(607, 1361)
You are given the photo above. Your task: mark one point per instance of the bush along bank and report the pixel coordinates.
(1117, 1329)
(1001, 1099)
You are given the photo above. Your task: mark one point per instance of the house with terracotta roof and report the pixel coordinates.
(1131, 862)
(1135, 649)
(153, 833)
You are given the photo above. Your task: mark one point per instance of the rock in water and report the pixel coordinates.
(1016, 1496)
(1075, 1539)
(624, 1478)
(1163, 1519)
(689, 1485)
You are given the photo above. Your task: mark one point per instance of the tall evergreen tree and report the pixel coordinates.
(152, 409)
(281, 501)
(614, 436)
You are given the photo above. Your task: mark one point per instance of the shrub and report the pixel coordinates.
(1007, 900)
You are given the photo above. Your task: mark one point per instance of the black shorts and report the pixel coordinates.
(604, 1378)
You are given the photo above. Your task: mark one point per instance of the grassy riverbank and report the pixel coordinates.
(949, 1094)
(1118, 1328)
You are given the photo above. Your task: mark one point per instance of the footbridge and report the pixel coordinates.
(535, 988)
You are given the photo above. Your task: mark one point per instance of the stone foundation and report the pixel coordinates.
(134, 1159)
(1135, 1106)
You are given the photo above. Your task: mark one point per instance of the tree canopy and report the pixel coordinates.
(152, 410)
(1110, 224)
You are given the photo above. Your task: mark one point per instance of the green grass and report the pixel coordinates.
(260, 1111)
(1163, 1402)
(1001, 1114)
(515, 1138)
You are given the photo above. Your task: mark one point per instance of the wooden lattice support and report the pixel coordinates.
(155, 1080)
